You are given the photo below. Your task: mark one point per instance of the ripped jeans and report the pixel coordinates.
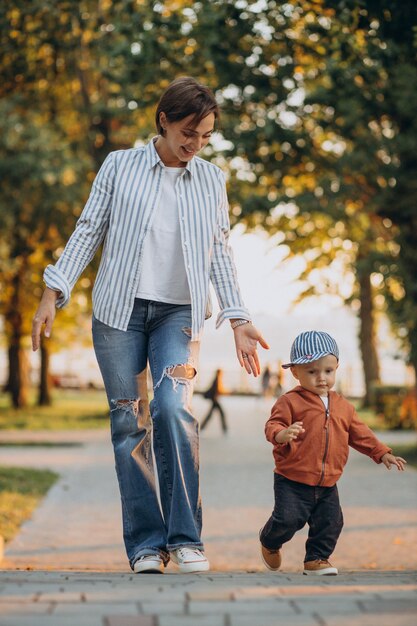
(158, 333)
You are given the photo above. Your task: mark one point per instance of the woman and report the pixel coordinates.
(163, 215)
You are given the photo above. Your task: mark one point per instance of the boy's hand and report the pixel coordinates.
(290, 433)
(389, 459)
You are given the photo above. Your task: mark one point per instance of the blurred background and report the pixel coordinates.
(318, 139)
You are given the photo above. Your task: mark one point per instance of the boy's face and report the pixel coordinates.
(318, 376)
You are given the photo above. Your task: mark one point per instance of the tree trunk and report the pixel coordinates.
(18, 382)
(44, 398)
(18, 379)
(367, 336)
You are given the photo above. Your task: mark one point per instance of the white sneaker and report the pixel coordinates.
(149, 564)
(190, 560)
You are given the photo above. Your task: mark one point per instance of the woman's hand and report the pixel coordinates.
(44, 315)
(246, 341)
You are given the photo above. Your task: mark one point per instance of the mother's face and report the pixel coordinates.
(183, 139)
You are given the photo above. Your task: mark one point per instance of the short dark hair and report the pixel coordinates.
(184, 97)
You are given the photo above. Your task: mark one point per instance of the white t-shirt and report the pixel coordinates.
(163, 277)
(325, 400)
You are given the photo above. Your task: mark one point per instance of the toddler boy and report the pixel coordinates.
(311, 429)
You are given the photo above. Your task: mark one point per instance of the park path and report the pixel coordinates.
(78, 525)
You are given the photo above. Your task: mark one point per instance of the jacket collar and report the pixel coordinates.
(153, 157)
(310, 394)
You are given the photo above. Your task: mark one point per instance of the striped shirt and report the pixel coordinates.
(120, 211)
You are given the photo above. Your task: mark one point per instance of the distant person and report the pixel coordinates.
(266, 379)
(162, 213)
(213, 392)
(278, 381)
(311, 429)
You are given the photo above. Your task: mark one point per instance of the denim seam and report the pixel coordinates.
(188, 544)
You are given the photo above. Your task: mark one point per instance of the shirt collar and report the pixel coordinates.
(153, 157)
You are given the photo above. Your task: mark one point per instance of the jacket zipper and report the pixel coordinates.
(326, 445)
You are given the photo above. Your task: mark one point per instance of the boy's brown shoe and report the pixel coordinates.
(271, 558)
(319, 567)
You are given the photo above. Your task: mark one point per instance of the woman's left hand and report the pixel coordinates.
(246, 340)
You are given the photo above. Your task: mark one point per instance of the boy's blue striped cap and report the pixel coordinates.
(311, 346)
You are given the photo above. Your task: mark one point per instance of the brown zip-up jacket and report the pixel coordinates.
(318, 456)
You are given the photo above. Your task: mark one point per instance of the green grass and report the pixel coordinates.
(371, 419)
(20, 492)
(71, 409)
(407, 451)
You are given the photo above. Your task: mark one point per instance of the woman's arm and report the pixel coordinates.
(89, 232)
(80, 249)
(224, 279)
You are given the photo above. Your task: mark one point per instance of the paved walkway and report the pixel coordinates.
(219, 599)
(78, 527)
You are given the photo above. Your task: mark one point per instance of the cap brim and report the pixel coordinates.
(302, 360)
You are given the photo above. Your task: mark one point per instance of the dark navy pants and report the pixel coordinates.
(297, 504)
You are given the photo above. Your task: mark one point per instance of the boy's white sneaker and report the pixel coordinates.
(319, 567)
(190, 560)
(149, 564)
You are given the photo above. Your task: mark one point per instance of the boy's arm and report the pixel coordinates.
(280, 427)
(362, 439)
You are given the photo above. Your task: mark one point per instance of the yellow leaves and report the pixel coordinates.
(105, 5)
(352, 207)
(13, 16)
(87, 36)
(68, 176)
(395, 288)
(99, 140)
(172, 6)
(297, 184)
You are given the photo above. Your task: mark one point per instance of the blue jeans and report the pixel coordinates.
(158, 333)
(297, 504)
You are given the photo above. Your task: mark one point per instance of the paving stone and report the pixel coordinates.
(328, 606)
(368, 620)
(392, 605)
(193, 620)
(20, 598)
(63, 596)
(162, 607)
(91, 608)
(262, 606)
(272, 620)
(50, 620)
(123, 620)
(257, 593)
(19, 608)
(210, 595)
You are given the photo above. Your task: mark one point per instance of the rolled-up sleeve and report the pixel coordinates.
(89, 232)
(223, 270)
